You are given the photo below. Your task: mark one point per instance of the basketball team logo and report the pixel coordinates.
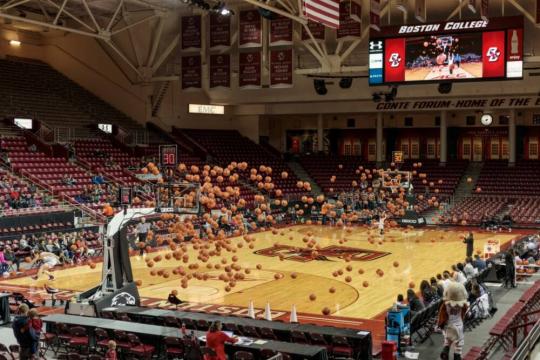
(493, 54)
(329, 253)
(394, 60)
(281, 56)
(249, 58)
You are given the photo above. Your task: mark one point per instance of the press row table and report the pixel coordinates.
(360, 340)
(297, 351)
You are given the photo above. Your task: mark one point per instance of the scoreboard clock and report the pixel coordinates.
(168, 155)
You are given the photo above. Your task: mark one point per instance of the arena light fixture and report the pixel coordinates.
(320, 86)
(345, 83)
(16, 43)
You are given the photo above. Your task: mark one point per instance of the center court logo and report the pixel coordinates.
(493, 54)
(394, 60)
(329, 253)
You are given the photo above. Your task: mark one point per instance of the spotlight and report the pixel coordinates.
(14, 43)
(225, 12)
(320, 86)
(345, 83)
(445, 87)
(376, 97)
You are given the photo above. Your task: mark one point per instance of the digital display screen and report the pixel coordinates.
(447, 51)
(168, 155)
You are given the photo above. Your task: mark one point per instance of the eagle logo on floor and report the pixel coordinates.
(325, 254)
(123, 299)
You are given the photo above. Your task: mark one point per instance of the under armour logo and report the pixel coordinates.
(394, 60)
(376, 45)
(493, 54)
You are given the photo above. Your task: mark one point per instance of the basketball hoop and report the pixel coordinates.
(178, 197)
(395, 180)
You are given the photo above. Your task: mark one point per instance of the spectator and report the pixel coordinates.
(459, 276)
(446, 280)
(11, 257)
(35, 322)
(510, 279)
(24, 334)
(469, 269)
(429, 294)
(438, 287)
(4, 266)
(400, 303)
(469, 240)
(142, 230)
(479, 263)
(111, 353)
(98, 179)
(415, 304)
(215, 340)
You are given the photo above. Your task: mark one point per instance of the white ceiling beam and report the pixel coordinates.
(10, 5)
(57, 17)
(457, 10)
(155, 41)
(52, 26)
(124, 58)
(165, 53)
(521, 9)
(71, 15)
(116, 12)
(129, 26)
(91, 15)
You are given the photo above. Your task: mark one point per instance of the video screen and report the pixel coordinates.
(444, 57)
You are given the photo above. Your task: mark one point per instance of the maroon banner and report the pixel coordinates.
(249, 74)
(220, 70)
(250, 32)
(347, 26)
(317, 30)
(220, 31)
(484, 10)
(191, 32)
(281, 67)
(191, 72)
(375, 14)
(281, 31)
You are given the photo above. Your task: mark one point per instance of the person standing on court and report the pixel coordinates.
(469, 240)
(142, 230)
(510, 278)
(215, 340)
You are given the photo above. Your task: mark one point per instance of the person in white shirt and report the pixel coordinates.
(469, 269)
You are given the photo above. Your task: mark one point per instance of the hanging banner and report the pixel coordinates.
(250, 32)
(538, 11)
(249, 73)
(420, 10)
(317, 30)
(220, 31)
(484, 9)
(375, 14)
(191, 72)
(349, 28)
(191, 32)
(281, 29)
(356, 10)
(472, 5)
(220, 70)
(281, 74)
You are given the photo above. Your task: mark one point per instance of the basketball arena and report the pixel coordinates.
(245, 179)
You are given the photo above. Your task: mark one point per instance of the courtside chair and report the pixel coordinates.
(140, 350)
(243, 355)
(174, 348)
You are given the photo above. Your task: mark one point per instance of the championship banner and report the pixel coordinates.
(220, 31)
(281, 29)
(191, 32)
(375, 14)
(356, 10)
(249, 73)
(484, 9)
(281, 68)
(317, 30)
(250, 31)
(220, 70)
(191, 72)
(349, 28)
(420, 10)
(472, 5)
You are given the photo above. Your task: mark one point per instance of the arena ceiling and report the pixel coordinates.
(129, 28)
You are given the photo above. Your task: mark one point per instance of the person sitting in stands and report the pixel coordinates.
(469, 269)
(215, 340)
(415, 304)
(479, 263)
(400, 303)
(437, 287)
(98, 179)
(428, 293)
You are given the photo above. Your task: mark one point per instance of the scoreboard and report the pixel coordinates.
(168, 155)
(447, 51)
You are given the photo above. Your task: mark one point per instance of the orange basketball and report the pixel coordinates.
(396, 264)
(326, 311)
(412, 285)
(365, 284)
(312, 297)
(332, 290)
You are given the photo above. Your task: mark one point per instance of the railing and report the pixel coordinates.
(63, 134)
(529, 343)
